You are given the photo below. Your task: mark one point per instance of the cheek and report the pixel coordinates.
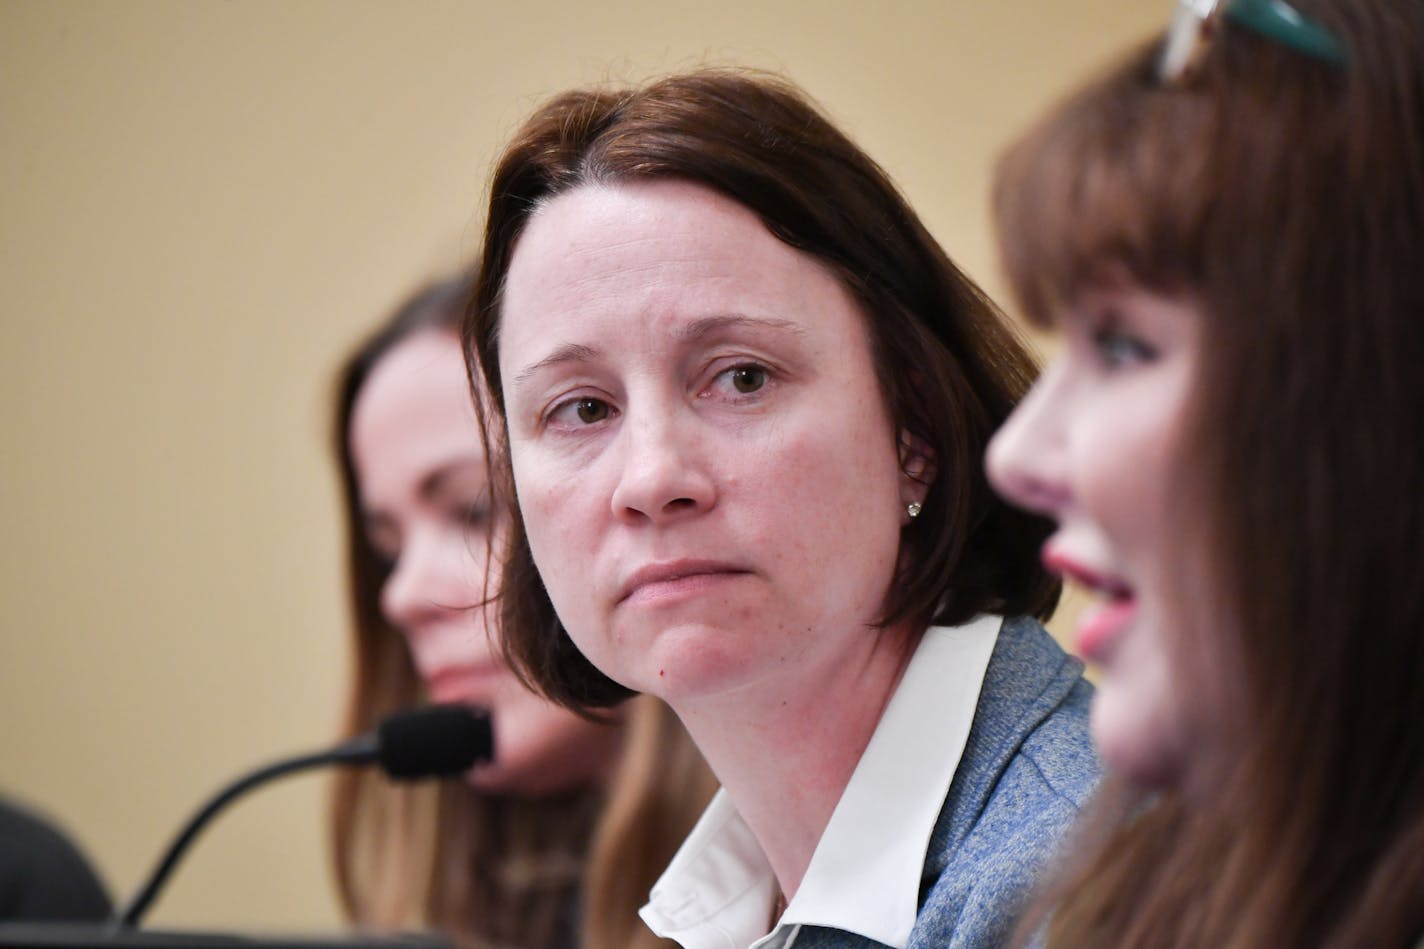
(1164, 708)
(419, 647)
(825, 491)
(1138, 718)
(565, 525)
(1131, 458)
(550, 504)
(462, 637)
(1197, 641)
(1122, 476)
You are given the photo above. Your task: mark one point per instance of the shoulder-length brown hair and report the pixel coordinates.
(489, 870)
(948, 364)
(1284, 196)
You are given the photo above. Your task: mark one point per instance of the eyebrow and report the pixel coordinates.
(695, 331)
(570, 353)
(701, 328)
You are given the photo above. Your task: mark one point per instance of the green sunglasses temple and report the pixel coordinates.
(1284, 24)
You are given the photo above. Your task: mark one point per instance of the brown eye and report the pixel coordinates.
(591, 410)
(748, 378)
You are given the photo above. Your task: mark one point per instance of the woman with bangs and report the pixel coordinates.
(1227, 230)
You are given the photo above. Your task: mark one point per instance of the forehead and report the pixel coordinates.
(620, 222)
(414, 409)
(653, 252)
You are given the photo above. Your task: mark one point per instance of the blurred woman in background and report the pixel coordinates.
(1227, 229)
(553, 843)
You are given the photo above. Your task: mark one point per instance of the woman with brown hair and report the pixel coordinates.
(545, 846)
(1227, 229)
(743, 395)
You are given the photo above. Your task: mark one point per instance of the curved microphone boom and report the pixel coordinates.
(429, 742)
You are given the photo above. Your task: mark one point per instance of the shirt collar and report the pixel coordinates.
(864, 876)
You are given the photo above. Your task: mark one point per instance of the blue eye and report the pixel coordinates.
(1117, 349)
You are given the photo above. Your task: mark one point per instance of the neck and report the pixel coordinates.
(785, 748)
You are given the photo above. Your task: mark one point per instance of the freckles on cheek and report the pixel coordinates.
(832, 469)
(804, 507)
(538, 506)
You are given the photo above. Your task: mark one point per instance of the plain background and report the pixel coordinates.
(202, 206)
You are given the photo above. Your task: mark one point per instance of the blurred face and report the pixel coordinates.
(706, 469)
(1098, 446)
(421, 473)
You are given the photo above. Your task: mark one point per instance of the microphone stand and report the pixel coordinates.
(362, 750)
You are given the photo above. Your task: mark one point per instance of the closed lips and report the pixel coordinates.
(671, 572)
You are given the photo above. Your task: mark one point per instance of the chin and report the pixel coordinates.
(511, 779)
(524, 783)
(1131, 747)
(689, 663)
(489, 780)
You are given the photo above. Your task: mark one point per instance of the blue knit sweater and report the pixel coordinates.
(1027, 768)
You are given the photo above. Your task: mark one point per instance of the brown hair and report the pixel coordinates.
(1284, 196)
(489, 870)
(948, 364)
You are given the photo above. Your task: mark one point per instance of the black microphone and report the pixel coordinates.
(433, 741)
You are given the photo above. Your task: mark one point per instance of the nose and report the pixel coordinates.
(1028, 459)
(664, 476)
(432, 578)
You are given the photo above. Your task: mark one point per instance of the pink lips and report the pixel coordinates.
(1101, 625)
(676, 578)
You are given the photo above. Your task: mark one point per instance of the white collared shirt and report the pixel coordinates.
(864, 876)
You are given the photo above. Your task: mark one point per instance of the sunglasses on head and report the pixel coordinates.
(1196, 22)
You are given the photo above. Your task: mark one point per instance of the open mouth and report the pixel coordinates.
(1084, 576)
(1101, 625)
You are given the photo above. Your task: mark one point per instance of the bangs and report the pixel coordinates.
(1112, 183)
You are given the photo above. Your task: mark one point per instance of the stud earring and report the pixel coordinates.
(913, 509)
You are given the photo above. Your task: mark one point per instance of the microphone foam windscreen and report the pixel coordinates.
(435, 741)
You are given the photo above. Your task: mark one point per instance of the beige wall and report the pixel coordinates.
(201, 206)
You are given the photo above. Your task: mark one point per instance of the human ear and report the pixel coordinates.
(917, 471)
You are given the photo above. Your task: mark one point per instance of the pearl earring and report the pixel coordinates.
(913, 509)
